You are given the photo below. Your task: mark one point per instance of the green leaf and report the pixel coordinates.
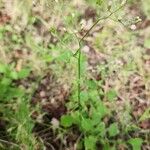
(136, 143)
(100, 129)
(2, 68)
(76, 117)
(13, 75)
(147, 43)
(91, 84)
(14, 93)
(113, 130)
(96, 116)
(1, 36)
(99, 2)
(6, 81)
(90, 143)
(94, 95)
(3, 91)
(111, 95)
(23, 73)
(146, 115)
(66, 121)
(84, 98)
(14, 38)
(65, 56)
(101, 109)
(86, 125)
(106, 146)
(47, 58)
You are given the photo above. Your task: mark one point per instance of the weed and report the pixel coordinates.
(91, 111)
(99, 112)
(15, 108)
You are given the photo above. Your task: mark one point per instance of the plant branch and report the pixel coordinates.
(79, 49)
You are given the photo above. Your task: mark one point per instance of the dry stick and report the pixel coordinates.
(9, 143)
(79, 49)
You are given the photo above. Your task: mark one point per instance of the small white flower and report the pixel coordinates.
(64, 29)
(83, 23)
(133, 27)
(110, 3)
(86, 49)
(73, 15)
(123, 2)
(55, 123)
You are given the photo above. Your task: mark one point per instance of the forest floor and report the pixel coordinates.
(36, 46)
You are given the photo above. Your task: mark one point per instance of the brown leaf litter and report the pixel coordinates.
(52, 96)
(4, 18)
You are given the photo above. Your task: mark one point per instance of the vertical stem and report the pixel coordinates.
(79, 76)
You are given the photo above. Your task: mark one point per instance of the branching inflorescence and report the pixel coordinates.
(78, 52)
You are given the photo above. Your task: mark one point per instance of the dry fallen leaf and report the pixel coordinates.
(19, 65)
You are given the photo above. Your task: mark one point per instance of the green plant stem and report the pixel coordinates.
(79, 77)
(79, 50)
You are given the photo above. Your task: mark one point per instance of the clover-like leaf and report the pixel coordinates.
(90, 143)
(23, 73)
(66, 121)
(136, 143)
(111, 95)
(86, 125)
(113, 130)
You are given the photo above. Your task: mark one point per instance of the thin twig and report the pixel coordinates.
(9, 143)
